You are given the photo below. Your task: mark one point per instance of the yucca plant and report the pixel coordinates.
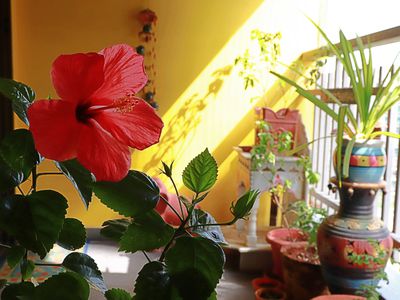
(357, 63)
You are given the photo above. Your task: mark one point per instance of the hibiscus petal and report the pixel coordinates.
(102, 154)
(76, 76)
(123, 73)
(136, 124)
(54, 128)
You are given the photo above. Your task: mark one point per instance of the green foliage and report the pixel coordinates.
(15, 255)
(308, 219)
(117, 294)
(114, 229)
(195, 266)
(136, 194)
(85, 266)
(146, 232)
(201, 173)
(81, 178)
(63, 286)
(19, 291)
(253, 65)
(311, 176)
(72, 235)
(27, 267)
(17, 158)
(153, 282)
(21, 96)
(34, 220)
(242, 207)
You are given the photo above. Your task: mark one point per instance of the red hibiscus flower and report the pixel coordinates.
(98, 117)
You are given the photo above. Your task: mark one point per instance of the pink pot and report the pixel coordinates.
(279, 237)
(338, 297)
(266, 282)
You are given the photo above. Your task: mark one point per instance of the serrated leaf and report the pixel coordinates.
(19, 291)
(34, 220)
(195, 266)
(15, 255)
(147, 232)
(27, 267)
(153, 282)
(114, 229)
(136, 194)
(201, 173)
(85, 266)
(243, 206)
(72, 235)
(198, 219)
(117, 294)
(80, 177)
(8, 177)
(63, 286)
(21, 96)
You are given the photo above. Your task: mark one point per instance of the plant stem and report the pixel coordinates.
(20, 190)
(147, 257)
(212, 224)
(173, 209)
(48, 265)
(49, 173)
(5, 246)
(34, 179)
(177, 194)
(181, 227)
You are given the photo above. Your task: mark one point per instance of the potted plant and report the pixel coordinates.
(301, 266)
(359, 164)
(270, 294)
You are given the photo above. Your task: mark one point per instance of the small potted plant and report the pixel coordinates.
(301, 267)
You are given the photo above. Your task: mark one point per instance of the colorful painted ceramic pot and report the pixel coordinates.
(349, 240)
(367, 161)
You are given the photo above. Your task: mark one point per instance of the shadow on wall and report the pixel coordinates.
(182, 126)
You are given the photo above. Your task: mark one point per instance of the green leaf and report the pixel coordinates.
(17, 149)
(117, 294)
(200, 218)
(72, 235)
(80, 177)
(19, 291)
(34, 220)
(153, 282)
(201, 173)
(114, 229)
(27, 267)
(339, 142)
(63, 286)
(347, 154)
(8, 177)
(85, 266)
(14, 256)
(147, 232)
(242, 207)
(136, 194)
(195, 266)
(21, 96)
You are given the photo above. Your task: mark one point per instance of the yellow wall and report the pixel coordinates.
(201, 97)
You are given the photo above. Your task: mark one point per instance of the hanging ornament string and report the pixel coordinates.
(147, 37)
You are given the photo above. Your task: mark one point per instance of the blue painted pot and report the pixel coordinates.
(367, 161)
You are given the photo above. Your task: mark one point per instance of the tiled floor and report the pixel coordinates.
(120, 270)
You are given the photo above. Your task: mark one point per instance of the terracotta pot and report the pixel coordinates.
(302, 272)
(349, 233)
(338, 297)
(270, 294)
(279, 237)
(266, 282)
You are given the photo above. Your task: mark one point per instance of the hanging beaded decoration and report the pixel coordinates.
(147, 36)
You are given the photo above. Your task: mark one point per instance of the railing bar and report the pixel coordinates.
(396, 221)
(325, 146)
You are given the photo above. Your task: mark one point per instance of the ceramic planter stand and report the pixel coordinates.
(350, 232)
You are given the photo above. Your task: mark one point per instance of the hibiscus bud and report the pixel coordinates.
(140, 50)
